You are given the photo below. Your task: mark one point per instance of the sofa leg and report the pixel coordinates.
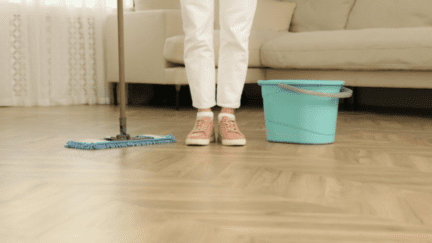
(178, 87)
(112, 93)
(356, 104)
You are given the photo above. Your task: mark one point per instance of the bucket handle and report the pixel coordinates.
(346, 93)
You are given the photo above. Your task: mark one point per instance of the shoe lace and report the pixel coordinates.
(200, 125)
(231, 126)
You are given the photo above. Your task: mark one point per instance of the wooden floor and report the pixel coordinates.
(374, 184)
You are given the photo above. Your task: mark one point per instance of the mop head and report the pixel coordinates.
(140, 140)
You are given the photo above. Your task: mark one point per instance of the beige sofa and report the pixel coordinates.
(366, 43)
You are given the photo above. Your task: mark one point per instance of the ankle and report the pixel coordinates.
(205, 110)
(227, 110)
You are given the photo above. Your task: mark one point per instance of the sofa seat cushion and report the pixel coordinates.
(366, 49)
(174, 46)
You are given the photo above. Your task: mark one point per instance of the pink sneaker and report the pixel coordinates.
(228, 132)
(203, 133)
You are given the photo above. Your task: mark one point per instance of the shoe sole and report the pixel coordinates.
(233, 142)
(224, 142)
(200, 141)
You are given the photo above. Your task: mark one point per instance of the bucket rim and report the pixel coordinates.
(301, 81)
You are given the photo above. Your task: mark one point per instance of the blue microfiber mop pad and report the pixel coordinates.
(92, 144)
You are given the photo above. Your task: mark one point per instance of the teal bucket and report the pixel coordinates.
(302, 111)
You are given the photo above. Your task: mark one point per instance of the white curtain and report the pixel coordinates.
(52, 51)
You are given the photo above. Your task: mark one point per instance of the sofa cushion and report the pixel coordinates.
(174, 46)
(390, 14)
(269, 15)
(367, 49)
(316, 15)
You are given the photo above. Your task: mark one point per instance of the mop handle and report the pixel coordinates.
(121, 67)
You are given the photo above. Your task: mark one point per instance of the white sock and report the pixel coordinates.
(206, 113)
(225, 114)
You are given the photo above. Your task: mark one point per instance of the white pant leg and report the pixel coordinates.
(198, 25)
(236, 19)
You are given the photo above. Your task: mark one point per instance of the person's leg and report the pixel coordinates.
(236, 19)
(198, 26)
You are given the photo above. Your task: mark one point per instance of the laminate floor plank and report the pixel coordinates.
(373, 184)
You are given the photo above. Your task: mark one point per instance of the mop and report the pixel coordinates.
(123, 139)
